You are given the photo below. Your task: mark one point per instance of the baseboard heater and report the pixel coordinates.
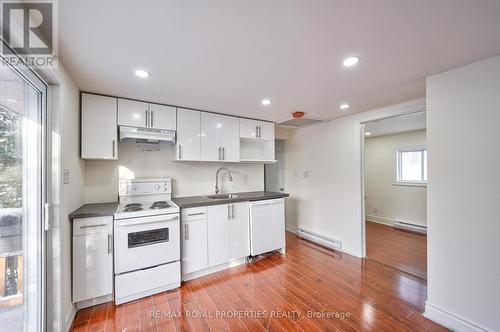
(410, 227)
(320, 239)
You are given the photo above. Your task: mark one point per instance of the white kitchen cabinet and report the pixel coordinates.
(266, 130)
(248, 128)
(230, 138)
(99, 127)
(163, 117)
(256, 129)
(188, 135)
(267, 226)
(239, 230)
(133, 113)
(219, 138)
(92, 258)
(211, 129)
(219, 235)
(194, 245)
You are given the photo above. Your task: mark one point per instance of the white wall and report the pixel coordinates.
(463, 121)
(384, 200)
(328, 201)
(65, 118)
(188, 178)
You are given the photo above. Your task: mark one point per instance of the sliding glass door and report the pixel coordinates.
(22, 198)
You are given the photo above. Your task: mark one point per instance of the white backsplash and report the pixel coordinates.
(188, 178)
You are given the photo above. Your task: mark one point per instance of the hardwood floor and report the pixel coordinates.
(400, 249)
(292, 292)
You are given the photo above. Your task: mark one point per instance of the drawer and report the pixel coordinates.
(92, 225)
(195, 213)
(137, 284)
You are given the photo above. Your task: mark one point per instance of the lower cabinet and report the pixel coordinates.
(194, 249)
(228, 232)
(92, 258)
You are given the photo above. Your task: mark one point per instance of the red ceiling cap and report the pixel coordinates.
(298, 114)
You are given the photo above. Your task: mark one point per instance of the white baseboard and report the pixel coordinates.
(379, 220)
(449, 320)
(291, 228)
(69, 317)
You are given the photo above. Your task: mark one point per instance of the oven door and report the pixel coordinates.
(146, 242)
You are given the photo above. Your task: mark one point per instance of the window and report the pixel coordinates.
(411, 166)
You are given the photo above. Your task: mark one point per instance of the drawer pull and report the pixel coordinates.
(196, 214)
(92, 226)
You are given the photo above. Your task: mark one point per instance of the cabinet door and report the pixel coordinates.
(248, 128)
(240, 230)
(194, 246)
(92, 266)
(219, 251)
(133, 113)
(99, 127)
(163, 117)
(188, 134)
(211, 128)
(266, 130)
(230, 138)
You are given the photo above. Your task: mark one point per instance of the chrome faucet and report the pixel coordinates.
(217, 178)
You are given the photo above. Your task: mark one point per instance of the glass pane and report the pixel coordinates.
(411, 166)
(20, 207)
(425, 165)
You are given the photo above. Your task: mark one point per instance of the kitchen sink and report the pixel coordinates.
(222, 196)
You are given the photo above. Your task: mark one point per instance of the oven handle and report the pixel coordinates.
(146, 221)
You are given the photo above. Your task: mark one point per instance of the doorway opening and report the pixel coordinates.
(395, 192)
(274, 174)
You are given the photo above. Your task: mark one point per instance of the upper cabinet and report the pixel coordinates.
(99, 127)
(163, 117)
(256, 129)
(188, 135)
(133, 113)
(140, 114)
(219, 138)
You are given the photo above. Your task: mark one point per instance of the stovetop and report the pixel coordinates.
(140, 209)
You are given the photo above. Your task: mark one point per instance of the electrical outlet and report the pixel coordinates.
(66, 176)
(375, 210)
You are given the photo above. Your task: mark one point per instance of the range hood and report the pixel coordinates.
(147, 134)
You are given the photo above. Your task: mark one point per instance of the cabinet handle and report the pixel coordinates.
(186, 236)
(152, 124)
(256, 131)
(92, 226)
(219, 153)
(109, 244)
(179, 150)
(232, 211)
(114, 142)
(195, 214)
(223, 154)
(147, 118)
(229, 211)
(260, 132)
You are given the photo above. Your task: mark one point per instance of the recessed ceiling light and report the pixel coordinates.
(344, 106)
(142, 73)
(266, 101)
(368, 133)
(351, 61)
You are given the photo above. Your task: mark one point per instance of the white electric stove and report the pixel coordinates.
(146, 239)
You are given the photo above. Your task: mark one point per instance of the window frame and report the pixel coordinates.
(398, 166)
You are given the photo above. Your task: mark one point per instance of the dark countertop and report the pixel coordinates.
(193, 201)
(94, 210)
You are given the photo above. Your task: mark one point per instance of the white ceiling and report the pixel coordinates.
(227, 55)
(396, 125)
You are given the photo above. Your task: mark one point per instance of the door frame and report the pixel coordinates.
(41, 86)
(404, 111)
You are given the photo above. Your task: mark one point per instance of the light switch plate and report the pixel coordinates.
(66, 176)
